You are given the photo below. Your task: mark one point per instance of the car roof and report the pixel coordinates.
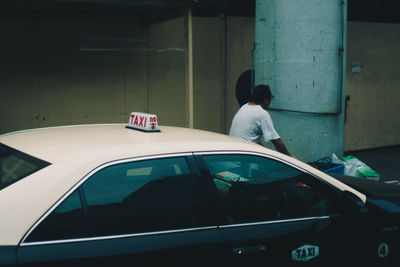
(58, 144)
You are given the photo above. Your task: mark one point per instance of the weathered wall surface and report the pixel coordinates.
(63, 71)
(373, 84)
(60, 71)
(298, 53)
(167, 72)
(240, 41)
(209, 73)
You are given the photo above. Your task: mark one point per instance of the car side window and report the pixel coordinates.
(15, 165)
(136, 197)
(253, 188)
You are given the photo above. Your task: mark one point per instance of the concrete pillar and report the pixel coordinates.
(299, 53)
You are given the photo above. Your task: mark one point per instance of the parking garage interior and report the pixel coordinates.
(83, 61)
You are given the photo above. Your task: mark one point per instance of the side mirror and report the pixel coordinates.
(353, 205)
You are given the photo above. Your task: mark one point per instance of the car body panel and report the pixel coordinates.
(8, 255)
(363, 228)
(149, 249)
(74, 151)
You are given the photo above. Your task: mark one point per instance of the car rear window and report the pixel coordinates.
(15, 165)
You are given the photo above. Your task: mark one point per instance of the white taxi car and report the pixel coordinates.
(116, 195)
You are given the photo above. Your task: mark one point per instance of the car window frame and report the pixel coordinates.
(192, 168)
(205, 171)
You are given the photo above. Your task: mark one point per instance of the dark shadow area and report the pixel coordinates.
(381, 11)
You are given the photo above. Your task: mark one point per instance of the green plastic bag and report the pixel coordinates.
(358, 168)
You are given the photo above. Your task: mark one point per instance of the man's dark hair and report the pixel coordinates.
(260, 93)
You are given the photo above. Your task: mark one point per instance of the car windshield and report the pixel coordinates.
(15, 165)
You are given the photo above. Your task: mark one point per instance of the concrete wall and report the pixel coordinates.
(240, 41)
(298, 54)
(60, 71)
(373, 109)
(63, 71)
(167, 72)
(222, 52)
(209, 73)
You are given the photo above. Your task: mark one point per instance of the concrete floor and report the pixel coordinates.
(385, 161)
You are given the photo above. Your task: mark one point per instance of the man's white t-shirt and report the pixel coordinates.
(252, 122)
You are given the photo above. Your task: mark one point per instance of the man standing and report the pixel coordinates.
(252, 121)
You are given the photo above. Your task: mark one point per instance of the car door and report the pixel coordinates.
(275, 213)
(147, 211)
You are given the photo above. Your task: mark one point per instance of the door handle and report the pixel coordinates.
(249, 250)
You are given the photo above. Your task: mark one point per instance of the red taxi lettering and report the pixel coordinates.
(136, 121)
(131, 119)
(141, 121)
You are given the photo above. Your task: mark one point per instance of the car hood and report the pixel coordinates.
(380, 194)
(370, 188)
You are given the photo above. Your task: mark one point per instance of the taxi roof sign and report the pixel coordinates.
(143, 122)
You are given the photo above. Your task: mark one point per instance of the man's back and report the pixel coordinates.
(251, 122)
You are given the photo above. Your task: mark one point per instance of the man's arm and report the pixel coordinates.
(280, 146)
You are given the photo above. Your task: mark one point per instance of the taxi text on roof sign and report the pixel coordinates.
(143, 121)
